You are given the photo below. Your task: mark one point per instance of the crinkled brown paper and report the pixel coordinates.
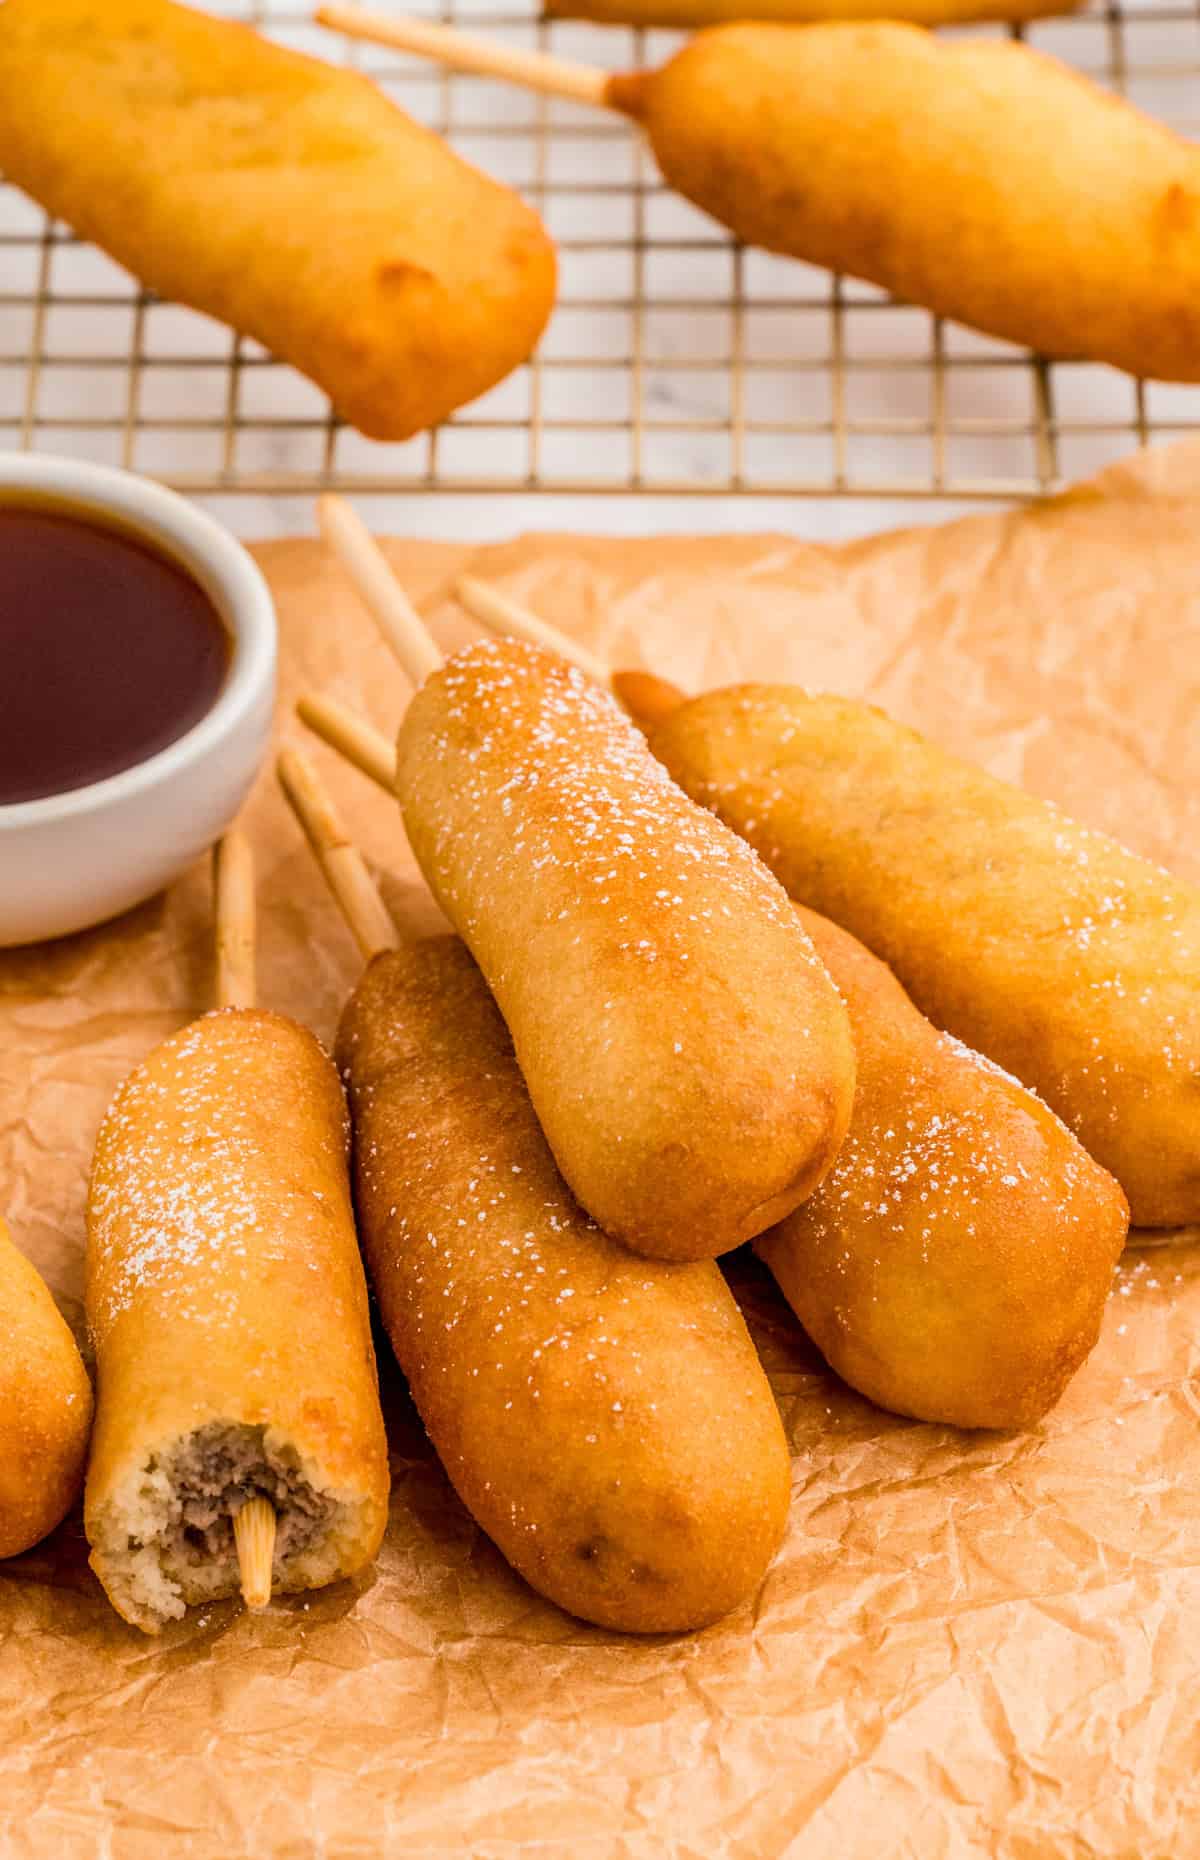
(969, 1644)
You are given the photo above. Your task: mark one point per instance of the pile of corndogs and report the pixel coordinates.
(655, 1036)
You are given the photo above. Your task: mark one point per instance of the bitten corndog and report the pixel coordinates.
(603, 1417)
(1048, 947)
(981, 179)
(45, 1406)
(289, 198)
(687, 1055)
(238, 1419)
(956, 1261)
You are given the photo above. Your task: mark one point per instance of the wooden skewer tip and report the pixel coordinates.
(342, 863)
(369, 569)
(499, 613)
(351, 735)
(254, 1528)
(233, 885)
(462, 51)
(309, 801)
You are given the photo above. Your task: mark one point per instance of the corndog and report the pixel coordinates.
(604, 1418)
(801, 139)
(45, 1406)
(955, 1262)
(980, 179)
(225, 1294)
(1069, 961)
(282, 195)
(687, 1056)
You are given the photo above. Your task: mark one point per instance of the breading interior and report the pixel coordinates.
(165, 1536)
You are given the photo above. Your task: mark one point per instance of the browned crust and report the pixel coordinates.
(956, 1261)
(224, 1282)
(698, 13)
(45, 1406)
(1069, 961)
(686, 1054)
(604, 1418)
(1030, 203)
(285, 196)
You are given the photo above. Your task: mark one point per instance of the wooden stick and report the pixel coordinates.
(367, 567)
(463, 51)
(254, 1535)
(499, 613)
(343, 865)
(646, 697)
(233, 885)
(351, 735)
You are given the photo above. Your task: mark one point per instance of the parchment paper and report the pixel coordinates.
(968, 1644)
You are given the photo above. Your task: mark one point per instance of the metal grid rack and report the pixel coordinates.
(676, 361)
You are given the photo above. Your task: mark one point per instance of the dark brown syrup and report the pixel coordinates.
(108, 650)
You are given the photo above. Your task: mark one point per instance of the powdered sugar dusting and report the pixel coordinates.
(930, 1159)
(595, 831)
(524, 1330)
(177, 1197)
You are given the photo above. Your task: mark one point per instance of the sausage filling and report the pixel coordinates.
(178, 1520)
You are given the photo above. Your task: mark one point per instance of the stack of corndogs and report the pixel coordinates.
(952, 1259)
(655, 1036)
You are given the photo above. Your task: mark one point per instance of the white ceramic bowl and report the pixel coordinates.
(71, 860)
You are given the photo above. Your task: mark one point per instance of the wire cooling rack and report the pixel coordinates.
(676, 361)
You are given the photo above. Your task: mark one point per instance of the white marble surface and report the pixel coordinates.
(493, 518)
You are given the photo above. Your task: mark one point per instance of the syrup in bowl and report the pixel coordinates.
(109, 650)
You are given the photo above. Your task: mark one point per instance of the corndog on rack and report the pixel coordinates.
(604, 1418)
(45, 1406)
(981, 179)
(687, 1056)
(289, 198)
(239, 1441)
(955, 1262)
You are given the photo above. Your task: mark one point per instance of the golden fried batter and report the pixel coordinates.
(280, 194)
(979, 178)
(695, 13)
(227, 1301)
(1048, 947)
(686, 1053)
(45, 1406)
(955, 1262)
